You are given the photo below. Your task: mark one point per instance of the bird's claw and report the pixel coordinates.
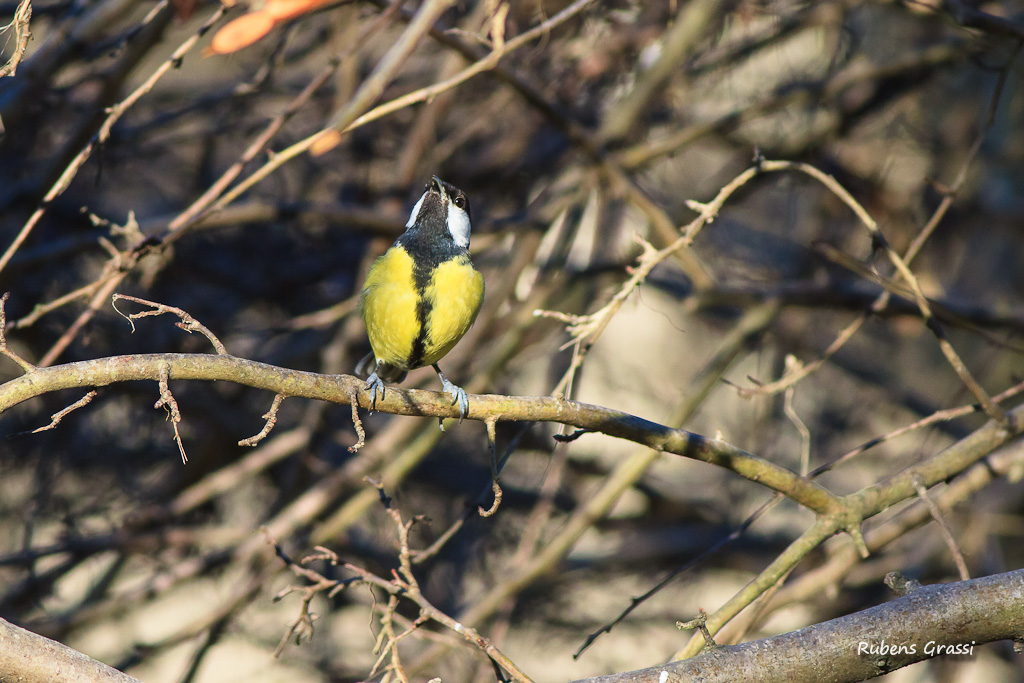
(458, 395)
(373, 383)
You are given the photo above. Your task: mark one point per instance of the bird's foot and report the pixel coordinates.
(373, 384)
(458, 395)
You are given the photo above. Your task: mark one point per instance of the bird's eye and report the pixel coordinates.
(460, 202)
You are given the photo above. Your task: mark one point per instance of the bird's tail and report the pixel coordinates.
(388, 373)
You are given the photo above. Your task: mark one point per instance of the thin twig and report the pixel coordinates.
(4, 348)
(495, 479)
(588, 328)
(805, 434)
(58, 416)
(22, 33)
(947, 534)
(188, 323)
(357, 424)
(168, 402)
(403, 584)
(937, 416)
(912, 250)
(638, 600)
(344, 120)
(114, 114)
(302, 626)
(699, 622)
(271, 417)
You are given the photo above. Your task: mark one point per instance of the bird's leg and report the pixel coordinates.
(373, 383)
(458, 393)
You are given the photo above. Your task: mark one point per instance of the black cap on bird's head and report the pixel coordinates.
(443, 209)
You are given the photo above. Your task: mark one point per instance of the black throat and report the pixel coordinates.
(428, 250)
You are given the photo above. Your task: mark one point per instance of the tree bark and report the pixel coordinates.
(27, 657)
(865, 644)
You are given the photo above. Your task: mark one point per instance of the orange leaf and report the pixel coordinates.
(241, 32)
(289, 9)
(328, 140)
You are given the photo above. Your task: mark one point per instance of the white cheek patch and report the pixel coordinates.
(415, 211)
(458, 225)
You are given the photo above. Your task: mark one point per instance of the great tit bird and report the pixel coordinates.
(422, 295)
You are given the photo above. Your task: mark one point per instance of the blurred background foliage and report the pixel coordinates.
(600, 130)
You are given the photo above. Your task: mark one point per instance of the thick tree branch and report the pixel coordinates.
(27, 657)
(866, 503)
(850, 648)
(340, 388)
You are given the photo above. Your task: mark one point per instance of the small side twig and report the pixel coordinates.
(346, 120)
(402, 584)
(173, 414)
(271, 417)
(302, 626)
(585, 330)
(900, 584)
(793, 365)
(22, 33)
(58, 416)
(188, 323)
(357, 423)
(947, 534)
(701, 622)
(387, 641)
(114, 114)
(572, 436)
(938, 416)
(495, 478)
(902, 266)
(4, 349)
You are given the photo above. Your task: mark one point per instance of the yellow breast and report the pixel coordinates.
(455, 293)
(389, 307)
(410, 323)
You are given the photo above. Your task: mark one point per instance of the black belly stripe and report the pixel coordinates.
(419, 344)
(427, 255)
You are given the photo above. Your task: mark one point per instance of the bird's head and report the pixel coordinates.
(443, 209)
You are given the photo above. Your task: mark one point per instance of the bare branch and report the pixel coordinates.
(402, 584)
(30, 658)
(940, 619)
(344, 120)
(357, 424)
(168, 402)
(947, 534)
(188, 323)
(22, 33)
(58, 416)
(338, 389)
(271, 417)
(4, 348)
(495, 478)
(699, 622)
(113, 115)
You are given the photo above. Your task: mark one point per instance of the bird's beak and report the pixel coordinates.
(438, 185)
